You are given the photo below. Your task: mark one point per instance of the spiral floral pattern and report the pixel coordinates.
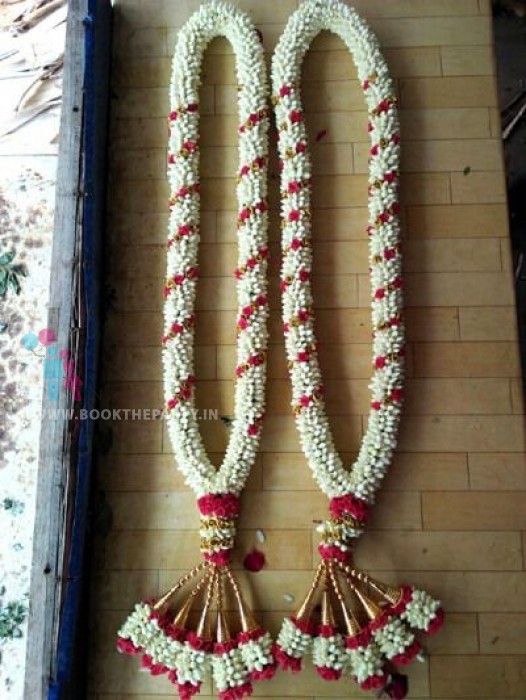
(211, 20)
(379, 441)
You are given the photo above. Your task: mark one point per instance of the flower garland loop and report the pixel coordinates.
(160, 630)
(379, 441)
(373, 633)
(212, 20)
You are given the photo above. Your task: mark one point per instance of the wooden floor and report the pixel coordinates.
(451, 513)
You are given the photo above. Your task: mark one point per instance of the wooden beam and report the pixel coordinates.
(55, 446)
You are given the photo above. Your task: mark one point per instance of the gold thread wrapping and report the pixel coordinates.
(179, 584)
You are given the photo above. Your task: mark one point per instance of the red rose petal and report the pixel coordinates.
(254, 561)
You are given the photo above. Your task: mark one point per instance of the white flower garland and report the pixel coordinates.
(386, 637)
(384, 250)
(257, 654)
(421, 610)
(330, 652)
(294, 641)
(393, 638)
(209, 21)
(182, 653)
(366, 663)
(229, 670)
(137, 626)
(192, 666)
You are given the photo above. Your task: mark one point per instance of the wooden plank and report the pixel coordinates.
(55, 439)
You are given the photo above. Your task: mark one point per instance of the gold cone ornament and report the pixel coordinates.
(173, 641)
(353, 624)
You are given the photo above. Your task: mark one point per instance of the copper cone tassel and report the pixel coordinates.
(353, 624)
(173, 641)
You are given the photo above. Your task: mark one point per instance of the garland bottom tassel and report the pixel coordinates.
(353, 624)
(161, 632)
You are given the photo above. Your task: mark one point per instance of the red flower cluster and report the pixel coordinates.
(186, 191)
(307, 400)
(374, 682)
(251, 263)
(165, 623)
(178, 279)
(405, 599)
(224, 647)
(286, 662)
(267, 673)
(360, 640)
(333, 552)
(155, 669)
(305, 626)
(178, 328)
(254, 429)
(303, 315)
(383, 106)
(255, 360)
(192, 107)
(407, 655)
(184, 393)
(437, 622)
(256, 164)
(199, 643)
(222, 505)
(250, 636)
(254, 561)
(397, 687)
(186, 690)
(190, 146)
(253, 120)
(296, 116)
(326, 631)
(246, 212)
(182, 232)
(397, 395)
(221, 558)
(126, 646)
(328, 674)
(340, 506)
(238, 692)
